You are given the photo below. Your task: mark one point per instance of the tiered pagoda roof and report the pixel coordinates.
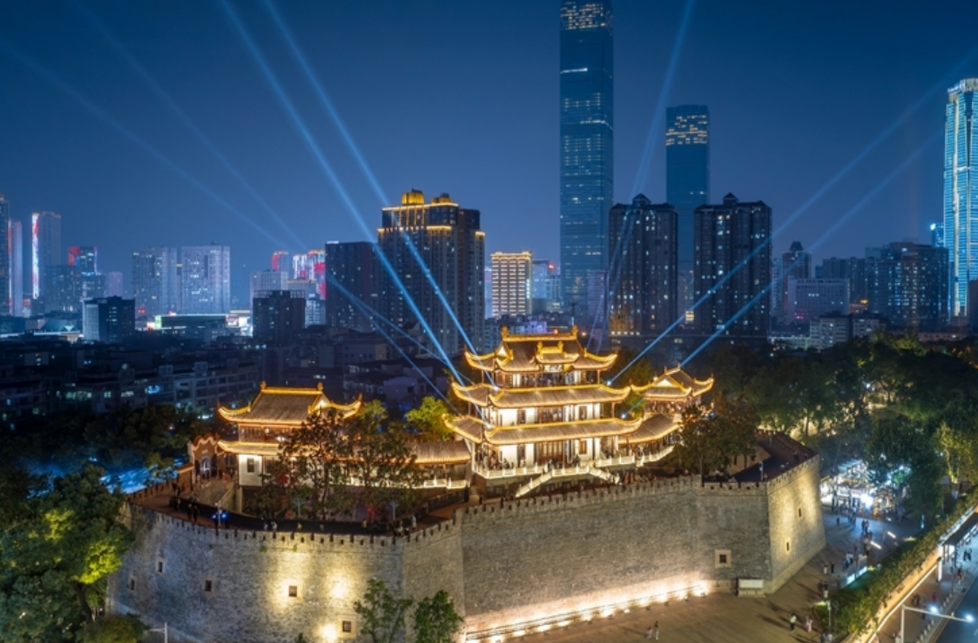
(285, 407)
(482, 395)
(533, 353)
(674, 384)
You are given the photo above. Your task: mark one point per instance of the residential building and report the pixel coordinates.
(155, 281)
(687, 181)
(961, 191)
(795, 264)
(277, 316)
(267, 281)
(643, 284)
(352, 285)
(908, 283)
(586, 143)
(853, 269)
(437, 252)
(511, 286)
(15, 243)
(6, 259)
(280, 261)
(733, 268)
(205, 279)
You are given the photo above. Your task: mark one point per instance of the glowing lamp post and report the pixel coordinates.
(933, 612)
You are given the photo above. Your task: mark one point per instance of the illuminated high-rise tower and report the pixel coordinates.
(155, 282)
(45, 251)
(15, 242)
(586, 138)
(205, 280)
(687, 179)
(451, 248)
(961, 190)
(511, 290)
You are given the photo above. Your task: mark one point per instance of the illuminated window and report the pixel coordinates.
(347, 627)
(251, 465)
(293, 591)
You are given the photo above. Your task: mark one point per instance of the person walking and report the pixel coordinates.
(792, 622)
(655, 631)
(648, 634)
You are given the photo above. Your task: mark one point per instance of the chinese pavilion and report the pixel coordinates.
(542, 406)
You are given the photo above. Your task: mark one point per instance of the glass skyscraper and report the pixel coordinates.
(960, 233)
(687, 179)
(586, 136)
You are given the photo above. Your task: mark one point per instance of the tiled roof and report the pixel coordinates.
(516, 398)
(285, 406)
(450, 452)
(529, 353)
(530, 433)
(653, 428)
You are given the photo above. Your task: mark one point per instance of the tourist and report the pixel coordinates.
(655, 631)
(808, 624)
(791, 623)
(648, 634)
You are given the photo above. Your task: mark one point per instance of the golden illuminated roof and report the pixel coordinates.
(483, 395)
(653, 428)
(534, 353)
(276, 406)
(579, 430)
(450, 452)
(674, 384)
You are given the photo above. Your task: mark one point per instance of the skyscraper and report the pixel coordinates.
(511, 289)
(733, 267)
(45, 250)
(266, 281)
(280, 261)
(545, 286)
(205, 279)
(6, 302)
(795, 264)
(16, 244)
(908, 284)
(155, 283)
(687, 179)
(108, 319)
(642, 275)
(451, 248)
(278, 315)
(352, 274)
(586, 143)
(961, 190)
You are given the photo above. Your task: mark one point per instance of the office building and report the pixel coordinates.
(643, 240)
(434, 245)
(155, 281)
(732, 268)
(545, 287)
(961, 191)
(511, 287)
(109, 319)
(352, 285)
(15, 244)
(113, 284)
(687, 180)
(205, 280)
(45, 252)
(277, 316)
(311, 266)
(808, 299)
(84, 257)
(586, 143)
(853, 269)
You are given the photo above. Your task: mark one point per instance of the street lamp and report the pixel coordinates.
(933, 612)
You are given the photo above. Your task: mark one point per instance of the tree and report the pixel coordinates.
(383, 460)
(55, 555)
(435, 619)
(382, 613)
(113, 629)
(429, 419)
(709, 439)
(319, 452)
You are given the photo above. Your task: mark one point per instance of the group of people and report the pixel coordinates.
(793, 622)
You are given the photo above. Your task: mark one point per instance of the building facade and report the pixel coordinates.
(437, 251)
(687, 180)
(643, 283)
(109, 319)
(277, 315)
(586, 142)
(511, 283)
(267, 281)
(908, 284)
(15, 243)
(960, 230)
(795, 264)
(809, 299)
(733, 268)
(6, 259)
(205, 280)
(155, 282)
(352, 285)
(45, 252)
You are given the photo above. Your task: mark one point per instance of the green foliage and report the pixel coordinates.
(429, 419)
(56, 550)
(710, 438)
(858, 603)
(381, 613)
(113, 629)
(628, 368)
(435, 619)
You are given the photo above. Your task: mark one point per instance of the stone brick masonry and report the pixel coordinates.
(508, 566)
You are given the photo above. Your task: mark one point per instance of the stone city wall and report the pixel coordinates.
(517, 565)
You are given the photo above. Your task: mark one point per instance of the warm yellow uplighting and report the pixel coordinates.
(329, 633)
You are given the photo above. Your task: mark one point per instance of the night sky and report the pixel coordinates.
(101, 101)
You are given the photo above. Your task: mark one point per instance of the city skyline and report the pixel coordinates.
(101, 195)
